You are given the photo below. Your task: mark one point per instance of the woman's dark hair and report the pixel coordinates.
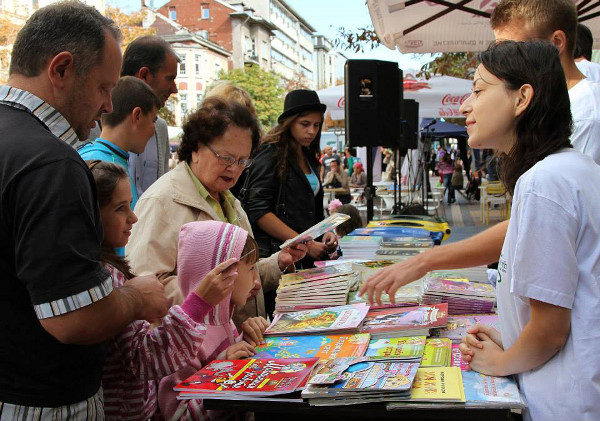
(107, 175)
(545, 126)
(281, 135)
(351, 224)
(211, 120)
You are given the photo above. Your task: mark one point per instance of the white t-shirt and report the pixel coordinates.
(585, 108)
(591, 70)
(551, 253)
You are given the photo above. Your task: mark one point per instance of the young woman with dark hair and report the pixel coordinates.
(548, 289)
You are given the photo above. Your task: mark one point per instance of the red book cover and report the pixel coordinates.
(251, 377)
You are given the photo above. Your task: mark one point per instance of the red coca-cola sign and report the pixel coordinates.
(454, 99)
(341, 102)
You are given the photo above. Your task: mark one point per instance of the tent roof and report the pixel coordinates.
(442, 129)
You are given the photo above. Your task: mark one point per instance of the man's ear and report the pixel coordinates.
(144, 74)
(559, 39)
(61, 69)
(523, 99)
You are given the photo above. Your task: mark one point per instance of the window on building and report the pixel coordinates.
(253, 47)
(172, 13)
(182, 65)
(197, 64)
(205, 12)
(183, 103)
(246, 44)
(265, 49)
(198, 100)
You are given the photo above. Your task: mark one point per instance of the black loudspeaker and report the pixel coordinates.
(373, 94)
(410, 128)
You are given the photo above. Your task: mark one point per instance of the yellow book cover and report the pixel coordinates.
(437, 353)
(438, 384)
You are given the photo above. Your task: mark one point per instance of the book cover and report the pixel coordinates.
(456, 328)
(316, 274)
(317, 230)
(438, 384)
(456, 358)
(437, 352)
(408, 347)
(490, 390)
(251, 376)
(391, 320)
(338, 318)
(319, 346)
(450, 286)
(346, 376)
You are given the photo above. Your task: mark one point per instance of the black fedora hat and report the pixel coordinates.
(301, 100)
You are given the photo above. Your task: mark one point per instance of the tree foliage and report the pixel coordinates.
(8, 33)
(460, 65)
(264, 87)
(130, 24)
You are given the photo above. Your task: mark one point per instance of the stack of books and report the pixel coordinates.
(402, 248)
(359, 247)
(350, 381)
(462, 297)
(404, 321)
(316, 288)
(340, 319)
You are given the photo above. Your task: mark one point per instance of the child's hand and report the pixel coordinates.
(240, 350)
(253, 330)
(219, 282)
(492, 333)
(483, 354)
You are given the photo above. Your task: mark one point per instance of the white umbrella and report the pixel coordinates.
(416, 26)
(440, 96)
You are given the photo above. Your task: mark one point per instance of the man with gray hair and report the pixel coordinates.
(57, 303)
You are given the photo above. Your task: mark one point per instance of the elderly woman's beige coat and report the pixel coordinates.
(169, 203)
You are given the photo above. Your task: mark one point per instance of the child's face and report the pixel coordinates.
(117, 216)
(143, 130)
(246, 283)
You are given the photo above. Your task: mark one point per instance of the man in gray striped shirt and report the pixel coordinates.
(57, 303)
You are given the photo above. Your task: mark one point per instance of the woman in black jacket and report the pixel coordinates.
(283, 195)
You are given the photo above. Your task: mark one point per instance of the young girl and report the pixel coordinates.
(142, 354)
(216, 242)
(549, 289)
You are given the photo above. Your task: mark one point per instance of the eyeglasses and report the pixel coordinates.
(229, 161)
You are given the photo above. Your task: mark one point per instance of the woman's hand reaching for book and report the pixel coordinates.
(240, 350)
(391, 278)
(253, 330)
(219, 282)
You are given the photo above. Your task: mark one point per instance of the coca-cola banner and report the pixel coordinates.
(440, 96)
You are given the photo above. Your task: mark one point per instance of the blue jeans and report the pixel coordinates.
(449, 187)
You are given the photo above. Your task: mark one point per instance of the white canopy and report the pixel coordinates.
(440, 96)
(416, 26)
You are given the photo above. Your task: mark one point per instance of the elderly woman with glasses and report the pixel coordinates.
(217, 143)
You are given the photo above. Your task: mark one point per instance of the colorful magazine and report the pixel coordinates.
(329, 319)
(408, 347)
(317, 230)
(438, 384)
(452, 287)
(252, 377)
(347, 376)
(316, 274)
(457, 360)
(437, 353)
(491, 391)
(318, 346)
(391, 321)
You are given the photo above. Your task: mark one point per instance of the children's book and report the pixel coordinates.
(329, 319)
(404, 321)
(457, 360)
(490, 391)
(457, 288)
(403, 348)
(438, 384)
(356, 376)
(319, 346)
(456, 327)
(250, 377)
(437, 353)
(317, 230)
(315, 274)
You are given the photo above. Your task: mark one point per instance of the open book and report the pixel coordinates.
(317, 230)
